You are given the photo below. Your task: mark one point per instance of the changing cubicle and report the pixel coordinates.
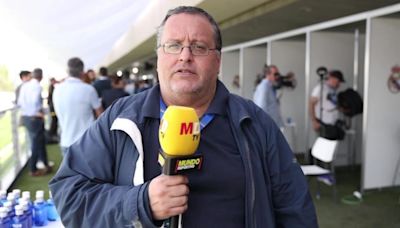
(229, 70)
(289, 56)
(340, 48)
(381, 159)
(365, 47)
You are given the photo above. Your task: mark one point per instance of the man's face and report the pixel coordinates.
(185, 73)
(27, 77)
(273, 74)
(333, 82)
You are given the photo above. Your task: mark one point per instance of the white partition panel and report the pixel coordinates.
(334, 50)
(382, 127)
(254, 59)
(229, 69)
(289, 56)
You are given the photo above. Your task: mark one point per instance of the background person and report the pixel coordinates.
(265, 95)
(330, 112)
(74, 103)
(30, 102)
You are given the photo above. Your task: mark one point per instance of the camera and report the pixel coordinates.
(288, 81)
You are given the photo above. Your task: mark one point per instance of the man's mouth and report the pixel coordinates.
(184, 71)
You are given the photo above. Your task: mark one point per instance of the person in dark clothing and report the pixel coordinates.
(111, 177)
(117, 91)
(52, 133)
(103, 82)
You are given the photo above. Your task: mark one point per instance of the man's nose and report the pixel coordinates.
(186, 55)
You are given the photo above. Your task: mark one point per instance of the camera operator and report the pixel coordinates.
(265, 94)
(329, 109)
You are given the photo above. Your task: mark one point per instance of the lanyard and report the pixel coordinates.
(204, 120)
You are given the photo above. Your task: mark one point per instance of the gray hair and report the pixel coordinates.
(75, 67)
(194, 11)
(37, 73)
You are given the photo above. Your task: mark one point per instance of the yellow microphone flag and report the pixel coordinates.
(179, 132)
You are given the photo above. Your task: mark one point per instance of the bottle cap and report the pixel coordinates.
(17, 193)
(19, 210)
(26, 194)
(40, 193)
(3, 212)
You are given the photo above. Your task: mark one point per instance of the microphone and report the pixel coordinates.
(179, 137)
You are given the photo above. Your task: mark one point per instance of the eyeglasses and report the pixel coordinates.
(197, 49)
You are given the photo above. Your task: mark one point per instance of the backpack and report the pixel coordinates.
(350, 102)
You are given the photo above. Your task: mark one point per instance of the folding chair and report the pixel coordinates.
(323, 151)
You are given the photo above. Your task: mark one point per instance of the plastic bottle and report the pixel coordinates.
(19, 220)
(11, 198)
(40, 212)
(27, 212)
(5, 221)
(3, 197)
(26, 196)
(52, 214)
(17, 194)
(10, 210)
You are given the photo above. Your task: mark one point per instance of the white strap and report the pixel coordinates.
(130, 128)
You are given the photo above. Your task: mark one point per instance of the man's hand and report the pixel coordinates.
(168, 196)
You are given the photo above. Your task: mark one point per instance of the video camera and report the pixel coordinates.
(288, 81)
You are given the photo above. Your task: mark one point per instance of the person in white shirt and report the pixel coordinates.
(74, 103)
(30, 102)
(330, 113)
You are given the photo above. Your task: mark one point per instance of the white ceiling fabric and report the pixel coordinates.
(61, 29)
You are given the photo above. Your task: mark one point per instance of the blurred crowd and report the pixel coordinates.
(73, 104)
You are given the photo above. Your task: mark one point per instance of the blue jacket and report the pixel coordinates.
(100, 182)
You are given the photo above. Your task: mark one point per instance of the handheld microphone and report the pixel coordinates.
(179, 137)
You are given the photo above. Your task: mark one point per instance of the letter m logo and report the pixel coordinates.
(186, 128)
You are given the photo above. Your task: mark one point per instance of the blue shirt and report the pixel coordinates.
(265, 98)
(74, 102)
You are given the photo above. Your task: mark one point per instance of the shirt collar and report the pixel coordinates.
(219, 103)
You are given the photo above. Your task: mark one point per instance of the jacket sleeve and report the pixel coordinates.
(84, 188)
(293, 205)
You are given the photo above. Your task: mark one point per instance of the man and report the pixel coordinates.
(24, 76)
(249, 177)
(265, 95)
(74, 103)
(103, 82)
(117, 91)
(330, 112)
(53, 132)
(30, 102)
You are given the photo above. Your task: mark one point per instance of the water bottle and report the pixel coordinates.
(10, 210)
(19, 220)
(3, 197)
(26, 196)
(17, 194)
(40, 213)
(5, 221)
(52, 214)
(27, 212)
(11, 198)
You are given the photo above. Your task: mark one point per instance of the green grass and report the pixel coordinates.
(27, 183)
(379, 208)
